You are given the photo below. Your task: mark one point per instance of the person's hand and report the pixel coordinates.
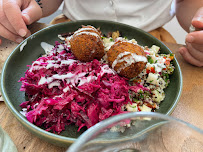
(193, 52)
(15, 15)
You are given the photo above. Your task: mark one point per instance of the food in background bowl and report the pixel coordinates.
(62, 90)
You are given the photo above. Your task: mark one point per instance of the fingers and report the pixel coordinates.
(194, 51)
(8, 35)
(195, 37)
(8, 26)
(194, 41)
(32, 13)
(28, 34)
(12, 24)
(197, 47)
(189, 58)
(13, 14)
(197, 20)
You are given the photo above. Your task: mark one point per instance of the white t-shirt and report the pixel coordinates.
(145, 14)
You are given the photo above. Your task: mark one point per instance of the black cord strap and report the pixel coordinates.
(39, 3)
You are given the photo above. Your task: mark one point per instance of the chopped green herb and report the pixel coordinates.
(111, 39)
(156, 61)
(134, 99)
(140, 91)
(141, 96)
(166, 77)
(170, 69)
(150, 60)
(133, 106)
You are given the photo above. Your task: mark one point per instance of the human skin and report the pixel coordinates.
(190, 12)
(15, 15)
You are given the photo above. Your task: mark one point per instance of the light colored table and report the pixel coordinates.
(189, 108)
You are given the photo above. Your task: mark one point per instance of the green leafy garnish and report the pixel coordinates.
(141, 96)
(166, 75)
(134, 99)
(150, 60)
(133, 106)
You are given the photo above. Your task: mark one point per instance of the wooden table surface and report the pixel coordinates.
(189, 108)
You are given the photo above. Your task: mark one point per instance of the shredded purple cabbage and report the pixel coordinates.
(63, 91)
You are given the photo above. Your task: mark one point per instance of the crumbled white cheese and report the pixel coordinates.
(145, 108)
(132, 107)
(158, 96)
(155, 49)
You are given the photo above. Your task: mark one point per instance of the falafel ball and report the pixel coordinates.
(127, 59)
(86, 44)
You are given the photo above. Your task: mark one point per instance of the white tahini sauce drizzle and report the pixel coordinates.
(36, 65)
(84, 29)
(52, 84)
(67, 62)
(66, 89)
(106, 69)
(48, 80)
(23, 45)
(64, 76)
(139, 58)
(87, 80)
(24, 111)
(88, 33)
(61, 37)
(43, 80)
(117, 60)
(132, 58)
(50, 65)
(159, 65)
(60, 48)
(47, 47)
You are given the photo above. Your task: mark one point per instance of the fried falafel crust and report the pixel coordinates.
(132, 70)
(86, 44)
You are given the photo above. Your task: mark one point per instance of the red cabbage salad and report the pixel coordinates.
(63, 91)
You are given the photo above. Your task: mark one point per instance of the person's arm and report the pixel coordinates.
(16, 14)
(186, 10)
(190, 12)
(49, 6)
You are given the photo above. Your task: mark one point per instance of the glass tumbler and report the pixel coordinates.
(140, 132)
